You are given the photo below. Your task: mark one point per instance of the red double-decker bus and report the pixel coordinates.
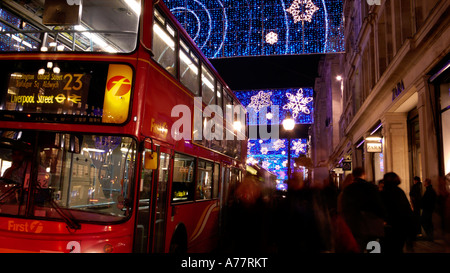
(89, 158)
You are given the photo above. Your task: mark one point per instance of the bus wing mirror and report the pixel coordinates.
(150, 160)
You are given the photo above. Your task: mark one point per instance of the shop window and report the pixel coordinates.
(445, 120)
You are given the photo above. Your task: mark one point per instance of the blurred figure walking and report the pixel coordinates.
(428, 206)
(363, 210)
(416, 198)
(399, 216)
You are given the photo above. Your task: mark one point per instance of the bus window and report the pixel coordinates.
(164, 44)
(105, 26)
(183, 178)
(189, 68)
(204, 180)
(215, 186)
(207, 86)
(219, 94)
(88, 175)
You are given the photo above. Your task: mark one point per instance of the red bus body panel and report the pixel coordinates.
(34, 236)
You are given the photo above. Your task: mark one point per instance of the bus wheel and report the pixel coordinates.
(178, 243)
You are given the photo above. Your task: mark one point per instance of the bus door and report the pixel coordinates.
(223, 212)
(150, 223)
(160, 198)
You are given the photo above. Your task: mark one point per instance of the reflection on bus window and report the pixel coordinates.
(105, 26)
(164, 45)
(90, 175)
(207, 87)
(183, 178)
(189, 69)
(204, 180)
(216, 183)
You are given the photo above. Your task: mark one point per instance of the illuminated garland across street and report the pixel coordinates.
(233, 28)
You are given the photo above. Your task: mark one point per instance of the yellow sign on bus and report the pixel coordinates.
(117, 93)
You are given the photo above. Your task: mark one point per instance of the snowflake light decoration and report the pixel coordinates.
(260, 100)
(272, 38)
(266, 165)
(278, 144)
(298, 103)
(302, 10)
(264, 150)
(298, 147)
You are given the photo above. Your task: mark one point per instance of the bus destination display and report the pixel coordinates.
(51, 93)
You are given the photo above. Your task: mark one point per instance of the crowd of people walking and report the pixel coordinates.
(317, 218)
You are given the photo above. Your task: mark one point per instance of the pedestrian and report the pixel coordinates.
(362, 209)
(399, 216)
(428, 206)
(416, 197)
(299, 219)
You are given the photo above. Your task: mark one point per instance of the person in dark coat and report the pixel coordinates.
(399, 216)
(428, 205)
(362, 209)
(416, 197)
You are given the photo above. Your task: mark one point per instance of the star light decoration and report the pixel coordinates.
(302, 10)
(298, 103)
(272, 38)
(260, 100)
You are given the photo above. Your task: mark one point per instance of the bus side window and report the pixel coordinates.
(204, 180)
(216, 176)
(189, 68)
(164, 43)
(183, 185)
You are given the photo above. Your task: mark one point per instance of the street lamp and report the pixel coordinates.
(288, 125)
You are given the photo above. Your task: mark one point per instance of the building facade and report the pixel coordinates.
(389, 94)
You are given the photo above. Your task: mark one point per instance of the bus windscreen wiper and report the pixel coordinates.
(71, 222)
(11, 189)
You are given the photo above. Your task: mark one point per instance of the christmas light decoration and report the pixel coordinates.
(235, 28)
(275, 161)
(279, 143)
(302, 10)
(261, 100)
(271, 38)
(298, 103)
(299, 147)
(254, 100)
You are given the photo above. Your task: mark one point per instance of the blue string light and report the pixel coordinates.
(232, 28)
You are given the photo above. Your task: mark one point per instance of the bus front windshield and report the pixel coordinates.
(62, 25)
(82, 177)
